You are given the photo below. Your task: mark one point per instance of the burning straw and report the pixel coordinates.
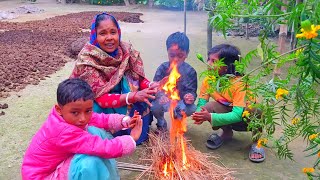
(169, 165)
(170, 155)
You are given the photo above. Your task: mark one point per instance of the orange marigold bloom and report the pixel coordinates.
(309, 33)
(313, 136)
(262, 142)
(308, 170)
(281, 92)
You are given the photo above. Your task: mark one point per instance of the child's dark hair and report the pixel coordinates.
(229, 54)
(75, 89)
(105, 16)
(180, 39)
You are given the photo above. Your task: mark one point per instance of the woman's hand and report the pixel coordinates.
(137, 129)
(188, 98)
(158, 85)
(200, 117)
(143, 96)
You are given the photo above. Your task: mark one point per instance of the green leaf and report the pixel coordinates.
(314, 44)
(311, 147)
(260, 51)
(306, 24)
(313, 153)
(317, 162)
(315, 56)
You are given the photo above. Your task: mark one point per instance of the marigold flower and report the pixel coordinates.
(262, 142)
(309, 32)
(319, 154)
(250, 106)
(313, 136)
(245, 114)
(295, 121)
(281, 92)
(308, 170)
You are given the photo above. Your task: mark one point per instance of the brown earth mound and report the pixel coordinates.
(31, 51)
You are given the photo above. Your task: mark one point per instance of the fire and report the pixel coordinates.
(170, 86)
(178, 126)
(165, 171)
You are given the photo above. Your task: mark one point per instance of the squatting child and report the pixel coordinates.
(227, 107)
(73, 144)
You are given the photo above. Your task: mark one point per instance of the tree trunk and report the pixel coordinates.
(283, 32)
(126, 2)
(247, 31)
(209, 35)
(151, 3)
(293, 39)
(246, 20)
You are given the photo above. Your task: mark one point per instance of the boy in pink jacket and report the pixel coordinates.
(71, 145)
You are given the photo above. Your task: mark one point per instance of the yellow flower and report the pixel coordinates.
(319, 154)
(308, 170)
(309, 33)
(245, 114)
(295, 121)
(280, 93)
(262, 142)
(313, 136)
(250, 106)
(212, 78)
(299, 51)
(99, 2)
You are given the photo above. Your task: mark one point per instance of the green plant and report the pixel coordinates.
(290, 101)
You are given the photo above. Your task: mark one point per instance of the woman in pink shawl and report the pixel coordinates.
(114, 70)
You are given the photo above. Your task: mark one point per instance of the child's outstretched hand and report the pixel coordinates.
(200, 117)
(137, 129)
(134, 119)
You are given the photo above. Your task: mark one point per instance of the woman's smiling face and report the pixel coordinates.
(108, 35)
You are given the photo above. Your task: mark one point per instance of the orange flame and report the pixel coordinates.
(170, 86)
(178, 127)
(165, 171)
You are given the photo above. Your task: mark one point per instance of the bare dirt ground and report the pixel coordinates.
(28, 108)
(36, 49)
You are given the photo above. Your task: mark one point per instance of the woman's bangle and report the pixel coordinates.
(150, 84)
(127, 98)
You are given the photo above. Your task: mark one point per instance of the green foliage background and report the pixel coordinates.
(300, 72)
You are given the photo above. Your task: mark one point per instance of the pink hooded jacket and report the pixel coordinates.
(57, 140)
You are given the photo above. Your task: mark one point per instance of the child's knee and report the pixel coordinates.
(92, 161)
(89, 167)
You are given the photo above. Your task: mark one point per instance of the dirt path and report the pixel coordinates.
(28, 108)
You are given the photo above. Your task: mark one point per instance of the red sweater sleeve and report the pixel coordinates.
(109, 101)
(144, 83)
